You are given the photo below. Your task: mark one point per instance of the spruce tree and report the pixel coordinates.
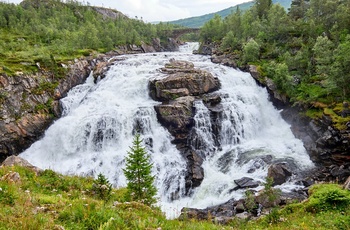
(138, 174)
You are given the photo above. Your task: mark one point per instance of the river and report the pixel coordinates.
(99, 122)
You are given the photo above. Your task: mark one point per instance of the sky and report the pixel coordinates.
(162, 10)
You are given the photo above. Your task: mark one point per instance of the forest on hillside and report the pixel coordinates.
(43, 29)
(305, 51)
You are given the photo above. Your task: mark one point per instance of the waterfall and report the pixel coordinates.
(100, 120)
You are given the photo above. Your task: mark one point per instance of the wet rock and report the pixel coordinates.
(100, 70)
(183, 80)
(223, 211)
(193, 213)
(279, 172)
(339, 172)
(347, 184)
(245, 182)
(225, 59)
(147, 48)
(178, 64)
(178, 91)
(177, 116)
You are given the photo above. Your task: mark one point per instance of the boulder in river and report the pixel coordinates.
(245, 182)
(279, 172)
(182, 80)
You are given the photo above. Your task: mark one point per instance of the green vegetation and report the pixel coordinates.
(138, 174)
(49, 200)
(50, 32)
(102, 188)
(305, 52)
(199, 21)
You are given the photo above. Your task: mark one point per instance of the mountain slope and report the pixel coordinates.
(196, 22)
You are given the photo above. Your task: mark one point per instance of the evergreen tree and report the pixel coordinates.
(262, 7)
(138, 174)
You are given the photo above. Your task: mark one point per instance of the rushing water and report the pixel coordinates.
(100, 120)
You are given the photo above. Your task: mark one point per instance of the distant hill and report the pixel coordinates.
(196, 22)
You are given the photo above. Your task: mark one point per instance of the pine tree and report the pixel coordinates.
(138, 174)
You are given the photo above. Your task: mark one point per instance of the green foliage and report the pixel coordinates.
(230, 42)
(273, 217)
(262, 7)
(270, 192)
(328, 197)
(34, 204)
(251, 51)
(102, 188)
(250, 203)
(51, 31)
(304, 51)
(138, 174)
(8, 194)
(212, 31)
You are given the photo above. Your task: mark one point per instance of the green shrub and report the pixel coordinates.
(102, 188)
(328, 197)
(251, 51)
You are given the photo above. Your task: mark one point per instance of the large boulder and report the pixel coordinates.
(18, 161)
(279, 172)
(245, 183)
(183, 80)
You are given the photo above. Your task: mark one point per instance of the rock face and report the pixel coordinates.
(178, 91)
(30, 104)
(177, 116)
(279, 172)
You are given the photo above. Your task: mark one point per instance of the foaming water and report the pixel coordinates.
(101, 119)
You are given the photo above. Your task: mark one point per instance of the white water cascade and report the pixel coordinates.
(100, 120)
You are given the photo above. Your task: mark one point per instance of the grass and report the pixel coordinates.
(50, 200)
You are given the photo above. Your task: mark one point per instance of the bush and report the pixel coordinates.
(102, 188)
(328, 197)
(251, 51)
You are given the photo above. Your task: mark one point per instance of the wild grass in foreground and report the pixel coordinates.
(48, 200)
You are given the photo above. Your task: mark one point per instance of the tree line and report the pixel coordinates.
(42, 27)
(305, 50)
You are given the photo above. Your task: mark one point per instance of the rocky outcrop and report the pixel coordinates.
(177, 116)
(246, 208)
(18, 161)
(178, 90)
(279, 172)
(183, 80)
(245, 183)
(30, 104)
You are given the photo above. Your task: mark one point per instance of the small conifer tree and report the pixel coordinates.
(138, 174)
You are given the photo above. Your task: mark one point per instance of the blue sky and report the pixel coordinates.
(162, 10)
